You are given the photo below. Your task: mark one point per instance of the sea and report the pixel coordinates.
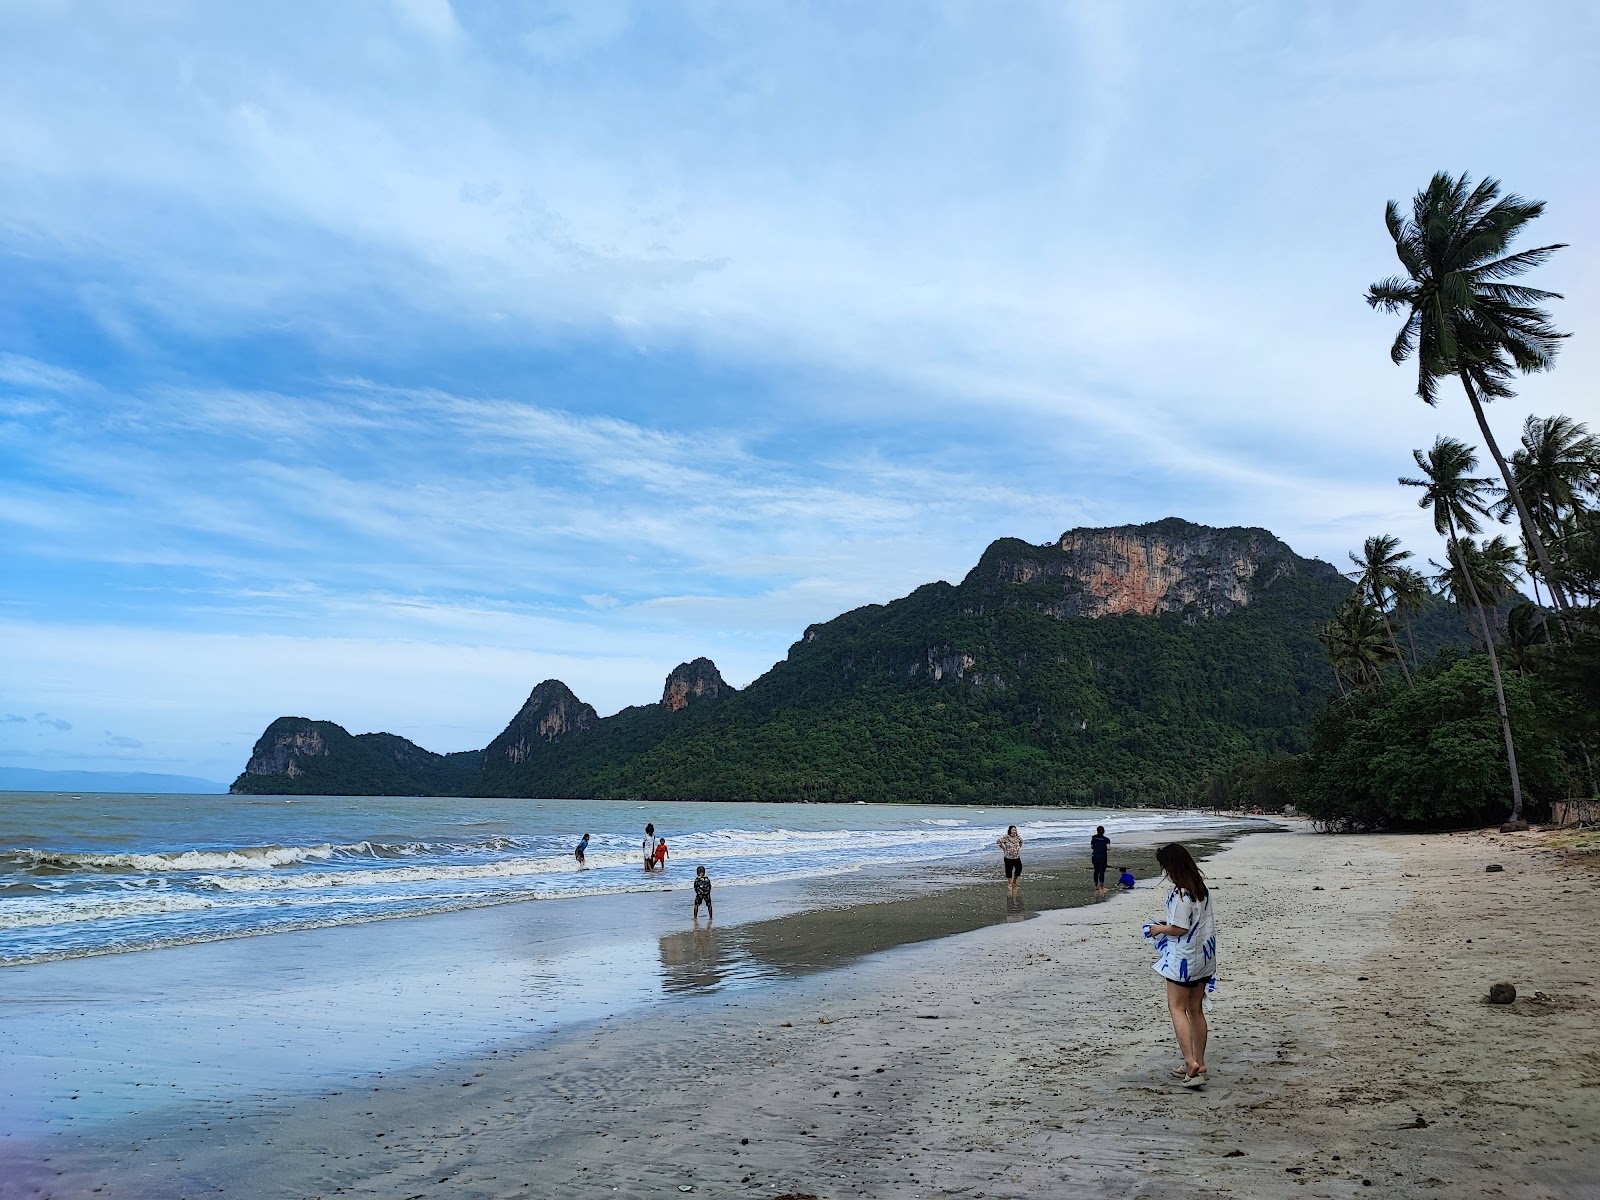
(105, 874)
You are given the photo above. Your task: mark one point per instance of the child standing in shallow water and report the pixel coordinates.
(661, 855)
(702, 893)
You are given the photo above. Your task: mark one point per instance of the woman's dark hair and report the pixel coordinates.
(650, 828)
(1011, 828)
(1099, 828)
(1180, 868)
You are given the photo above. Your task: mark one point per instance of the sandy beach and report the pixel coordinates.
(1352, 1054)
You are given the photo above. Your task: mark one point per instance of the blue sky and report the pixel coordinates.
(375, 361)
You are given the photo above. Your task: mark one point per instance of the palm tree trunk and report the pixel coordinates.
(1494, 669)
(1398, 657)
(1529, 530)
(1412, 642)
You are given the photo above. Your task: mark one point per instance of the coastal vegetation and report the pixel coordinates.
(1466, 739)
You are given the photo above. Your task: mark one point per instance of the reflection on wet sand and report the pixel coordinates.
(704, 959)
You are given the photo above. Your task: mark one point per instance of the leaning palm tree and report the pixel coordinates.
(1462, 317)
(1488, 570)
(1411, 595)
(1378, 567)
(1557, 470)
(1457, 500)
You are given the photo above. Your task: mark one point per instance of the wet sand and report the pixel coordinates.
(1352, 1054)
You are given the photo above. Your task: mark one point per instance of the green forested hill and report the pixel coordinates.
(973, 693)
(1116, 666)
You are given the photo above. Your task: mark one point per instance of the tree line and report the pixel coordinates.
(1510, 725)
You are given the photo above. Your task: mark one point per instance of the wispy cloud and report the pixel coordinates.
(578, 338)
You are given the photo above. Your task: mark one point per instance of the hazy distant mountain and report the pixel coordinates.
(26, 779)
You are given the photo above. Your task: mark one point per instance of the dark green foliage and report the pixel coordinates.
(1428, 755)
(367, 764)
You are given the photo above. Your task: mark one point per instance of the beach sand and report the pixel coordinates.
(1352, 1053)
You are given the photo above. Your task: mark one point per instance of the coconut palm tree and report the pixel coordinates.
(1458, 499)
(1411, 595)
(1557, 469)
(1356, 643)
(1525, 634)
(1378, 565)
(1489, 569)
(1462, 317)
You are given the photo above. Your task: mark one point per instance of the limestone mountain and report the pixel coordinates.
(1111, 665)
(692, 683)
(551, 711)
(297, 756)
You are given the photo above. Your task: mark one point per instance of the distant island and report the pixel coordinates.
(1122, 665)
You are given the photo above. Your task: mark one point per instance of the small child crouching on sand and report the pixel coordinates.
(702, 893)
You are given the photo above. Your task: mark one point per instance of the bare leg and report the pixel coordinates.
(1197, 1024)
(1198, 1031)
(1182, 1025)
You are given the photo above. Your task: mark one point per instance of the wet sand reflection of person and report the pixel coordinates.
(693, 961)
(1015, 909)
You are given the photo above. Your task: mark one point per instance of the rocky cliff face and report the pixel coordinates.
(1163, 567)
(550, 712)
(692, 683)
(286, 742)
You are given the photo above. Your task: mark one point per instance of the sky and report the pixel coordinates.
(374, 361)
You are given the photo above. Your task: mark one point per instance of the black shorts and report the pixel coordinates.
(1190, 983)
(1013, 868)
(1099, 874)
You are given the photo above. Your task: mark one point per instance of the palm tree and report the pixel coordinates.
(1356, 643)
(1410, 592)
(1490, 570)
(1380, 562)
(1457, 499)
(1557, 469)
(1525, 633)
(1462, 317)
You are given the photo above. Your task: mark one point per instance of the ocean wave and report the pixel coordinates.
(358, 910)
(254, 858)
(22, 914)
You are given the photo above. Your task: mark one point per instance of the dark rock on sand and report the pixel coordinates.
(1502, 993)
(1493, 867)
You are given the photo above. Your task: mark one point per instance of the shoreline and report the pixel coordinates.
(1043, 1064)
(305, 1012)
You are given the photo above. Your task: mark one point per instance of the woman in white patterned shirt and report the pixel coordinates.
(1011, 846)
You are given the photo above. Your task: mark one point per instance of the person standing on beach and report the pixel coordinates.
(1011, 847)
(1187, 943)
(578, 850)
(649, 847)
(702, 894)
(1100, 852)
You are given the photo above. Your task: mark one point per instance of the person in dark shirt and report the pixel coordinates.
(702, 893)
(1100, 851)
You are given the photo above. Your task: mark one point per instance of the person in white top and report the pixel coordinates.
(649, 847)
(1011, 850)
(1187, 943)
